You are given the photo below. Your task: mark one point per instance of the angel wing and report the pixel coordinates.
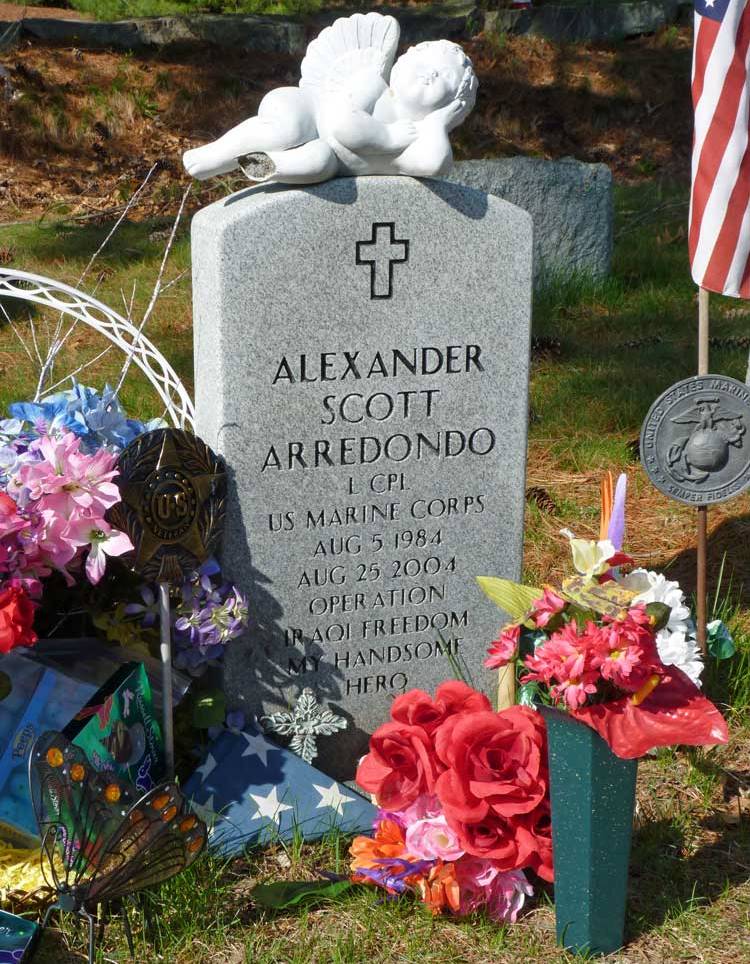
(355, 54)
(100, 838)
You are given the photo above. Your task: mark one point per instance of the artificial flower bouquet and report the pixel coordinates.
(57, 466)
(463, 803)
(57, 482)
(613, 646)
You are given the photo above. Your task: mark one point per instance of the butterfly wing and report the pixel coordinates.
(157, 838)
(78, 810)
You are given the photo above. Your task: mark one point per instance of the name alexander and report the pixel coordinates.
(331, 366)
(397, 447)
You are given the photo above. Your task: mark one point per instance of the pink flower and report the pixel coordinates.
(546, 607)
(569, 659)
(10, 521)
(433, 839)
(503, 649)
(627, 654)
(424, 807)
(507, 895)
(105, 541)
(576, 690)
(474, 875)
(65, 480)
(560, 657)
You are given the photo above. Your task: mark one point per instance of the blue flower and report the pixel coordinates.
(97, 419)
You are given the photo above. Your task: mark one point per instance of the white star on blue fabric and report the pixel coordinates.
(333, 797)
(270, 806)
(206, 768)
(257, 746)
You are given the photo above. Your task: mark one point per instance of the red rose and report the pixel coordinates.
(400, 766)
(494, 790)
(16, 619)
(417, 708)
(521, 841)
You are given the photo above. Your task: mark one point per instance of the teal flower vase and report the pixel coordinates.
(593, 798)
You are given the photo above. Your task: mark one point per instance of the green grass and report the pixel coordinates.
(127, 9)
(592, 401)
(129, 264)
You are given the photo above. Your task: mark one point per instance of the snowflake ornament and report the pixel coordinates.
(305, 722)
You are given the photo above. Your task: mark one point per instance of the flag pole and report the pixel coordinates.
(702, 541)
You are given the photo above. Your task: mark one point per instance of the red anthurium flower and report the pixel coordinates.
(673, 712)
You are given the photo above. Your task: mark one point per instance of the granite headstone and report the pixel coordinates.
(362, 352)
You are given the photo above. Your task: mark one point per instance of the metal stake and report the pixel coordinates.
(165, 650)
(702, 540)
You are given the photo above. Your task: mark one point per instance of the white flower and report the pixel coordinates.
(680, 650)
(590, 558)
(655, 587)
(676, 643)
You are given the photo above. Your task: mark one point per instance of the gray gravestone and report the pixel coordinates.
(571, 204)
(362, 351)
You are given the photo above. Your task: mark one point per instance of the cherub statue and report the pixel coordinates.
(354, 112)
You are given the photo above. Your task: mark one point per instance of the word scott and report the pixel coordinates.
(331, 366)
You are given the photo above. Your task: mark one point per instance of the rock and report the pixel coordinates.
(266, 34)
(570, 203)
(565, 24)
(269, 34)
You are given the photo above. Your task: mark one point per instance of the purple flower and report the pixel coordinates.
(392, 872)
(148, 610)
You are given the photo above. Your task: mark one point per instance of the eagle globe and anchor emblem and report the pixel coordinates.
(706, 449)
(694, 440)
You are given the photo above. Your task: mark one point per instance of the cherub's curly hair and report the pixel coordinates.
(445, 51)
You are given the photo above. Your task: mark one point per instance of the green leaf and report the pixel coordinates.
(581, 615)
(295, 893)
(719, 640)
(530, 694)
(513, 597)
(529, 641)
(209, 709)
(660, 612)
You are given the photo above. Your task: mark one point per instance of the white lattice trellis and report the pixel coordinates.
(59, 297)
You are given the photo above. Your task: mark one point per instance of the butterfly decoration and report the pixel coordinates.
(102, 839)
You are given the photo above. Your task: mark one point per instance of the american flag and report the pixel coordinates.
(719, 238)
(262, 793)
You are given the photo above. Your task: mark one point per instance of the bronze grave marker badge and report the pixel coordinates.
(173, 491)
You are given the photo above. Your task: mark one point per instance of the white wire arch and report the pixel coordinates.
(39, 290)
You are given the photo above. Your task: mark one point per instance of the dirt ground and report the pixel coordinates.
(82, 127)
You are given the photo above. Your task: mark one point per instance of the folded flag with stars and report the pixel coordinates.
(262, 793)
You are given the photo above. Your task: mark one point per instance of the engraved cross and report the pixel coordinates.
(381, 252)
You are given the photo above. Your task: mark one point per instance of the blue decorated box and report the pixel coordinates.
(17, 938)
(36, 698)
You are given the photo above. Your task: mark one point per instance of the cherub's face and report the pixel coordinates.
(423, 83)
